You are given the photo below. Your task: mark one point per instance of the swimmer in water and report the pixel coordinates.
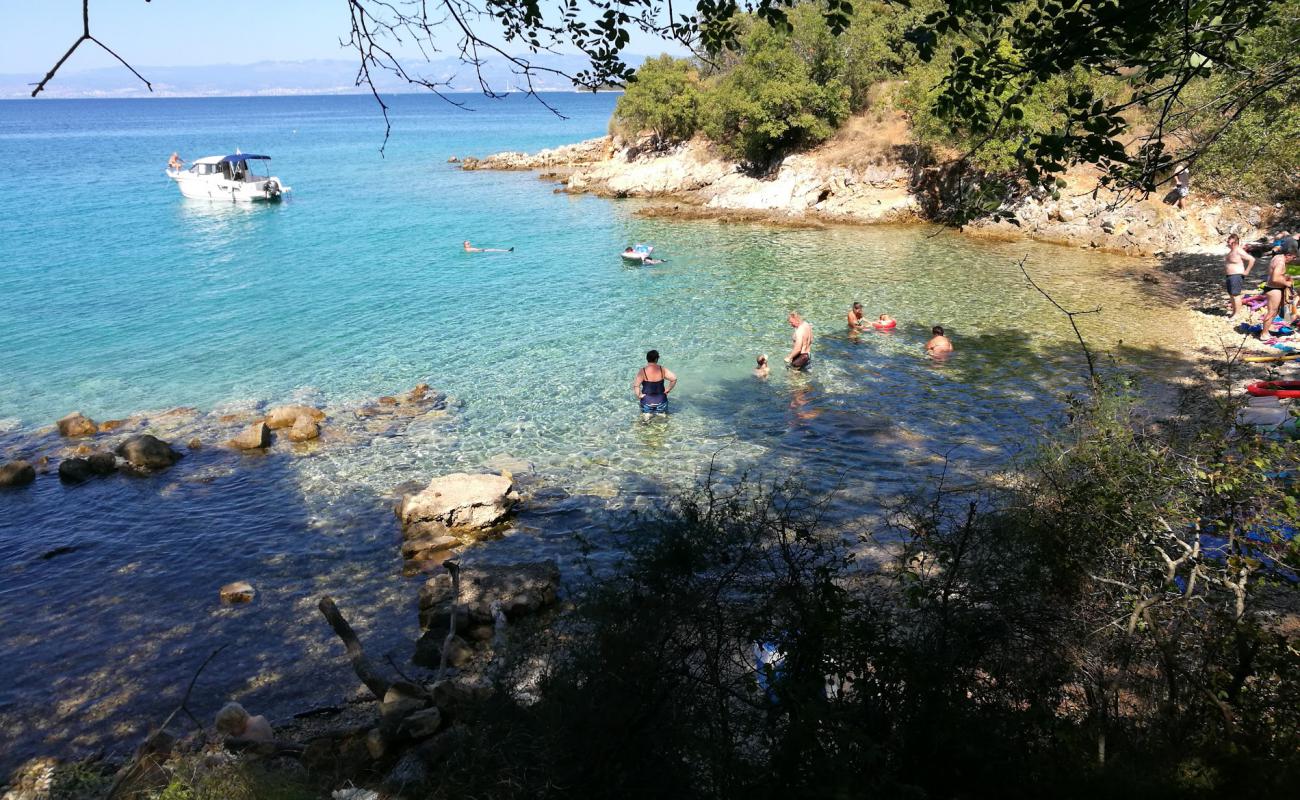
(885, 321)
(471, 249)
(855, 318)
(939, 345)
(762, 370)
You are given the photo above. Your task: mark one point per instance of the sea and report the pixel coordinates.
(119, 298)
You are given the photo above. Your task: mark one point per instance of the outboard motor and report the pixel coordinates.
(272, 188)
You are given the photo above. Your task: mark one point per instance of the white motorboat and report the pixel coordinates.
(233, 179)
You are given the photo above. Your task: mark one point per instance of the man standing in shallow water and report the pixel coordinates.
(801, 349)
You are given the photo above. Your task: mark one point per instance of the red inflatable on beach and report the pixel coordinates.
(1275, 389)
(884, 326)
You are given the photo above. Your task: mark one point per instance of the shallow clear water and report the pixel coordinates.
(118, 296)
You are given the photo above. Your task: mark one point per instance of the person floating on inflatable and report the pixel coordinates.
(884, 323)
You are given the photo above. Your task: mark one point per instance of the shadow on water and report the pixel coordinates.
(90, 663)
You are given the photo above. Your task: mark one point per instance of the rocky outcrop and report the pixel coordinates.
(1084, 215)
(286, 416)
(255, 437)
(569, 155)
(17, 473)
(460, 501)
(147, 452)
(825, 186)
(76, 424)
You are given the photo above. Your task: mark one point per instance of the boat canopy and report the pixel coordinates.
(238, 157)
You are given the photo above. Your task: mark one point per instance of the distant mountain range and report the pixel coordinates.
(280, 78)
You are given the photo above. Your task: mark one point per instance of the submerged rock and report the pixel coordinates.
(461, 501)
(102, 463)
(254, 437)
(17, 473)
(285, 416)
(75, 470)
(303, 430)
(147, 452)
(237, 592)
(76, 424)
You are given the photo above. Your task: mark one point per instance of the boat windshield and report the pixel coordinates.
(258, 170)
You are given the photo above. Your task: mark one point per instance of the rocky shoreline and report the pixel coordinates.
(824, 186)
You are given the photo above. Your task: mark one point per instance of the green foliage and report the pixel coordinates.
(1003, 52)
(192, 779)
(664, 97)
(1256, 155)
(1119, 602)
(771, 103)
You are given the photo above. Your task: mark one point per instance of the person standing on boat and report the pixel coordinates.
(176, 163)
(1236, 266)
(801, 349)
(652, 385)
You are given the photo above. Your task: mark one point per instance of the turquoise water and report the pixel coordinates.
(118, 297)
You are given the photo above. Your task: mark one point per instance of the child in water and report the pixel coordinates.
(939, 345)
(761, 371)
(885, 321)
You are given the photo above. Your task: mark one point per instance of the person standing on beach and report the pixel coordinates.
(1236, 266)
(1183, 185)
(1277, 289)
(652, 385)
(801, 349)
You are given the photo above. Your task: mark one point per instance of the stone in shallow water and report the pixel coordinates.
(75, 470)
(461, 500)
(285, 416)
(303, 430)
(75, 424)
(254, 437)
(147, 452)
(102, 463)
(17, 473)
(237, 592)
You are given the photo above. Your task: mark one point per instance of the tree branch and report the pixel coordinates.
(84, 37)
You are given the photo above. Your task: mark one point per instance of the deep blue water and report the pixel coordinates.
(117, 296)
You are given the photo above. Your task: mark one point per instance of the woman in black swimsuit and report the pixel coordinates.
(652, 385)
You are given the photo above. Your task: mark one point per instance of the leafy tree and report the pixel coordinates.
(770, 102)
(663, 97)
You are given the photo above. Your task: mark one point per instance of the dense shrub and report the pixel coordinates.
(772, 102)
(664, 98)
(1107, 628)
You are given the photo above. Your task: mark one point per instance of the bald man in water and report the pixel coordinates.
(801, 349)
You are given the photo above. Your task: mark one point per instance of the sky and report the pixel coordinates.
(185, 32)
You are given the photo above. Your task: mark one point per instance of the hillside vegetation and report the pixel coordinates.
(779, 91)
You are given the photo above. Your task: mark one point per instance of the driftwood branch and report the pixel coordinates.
(86, 37)
(361, 663)
(1070, 315)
